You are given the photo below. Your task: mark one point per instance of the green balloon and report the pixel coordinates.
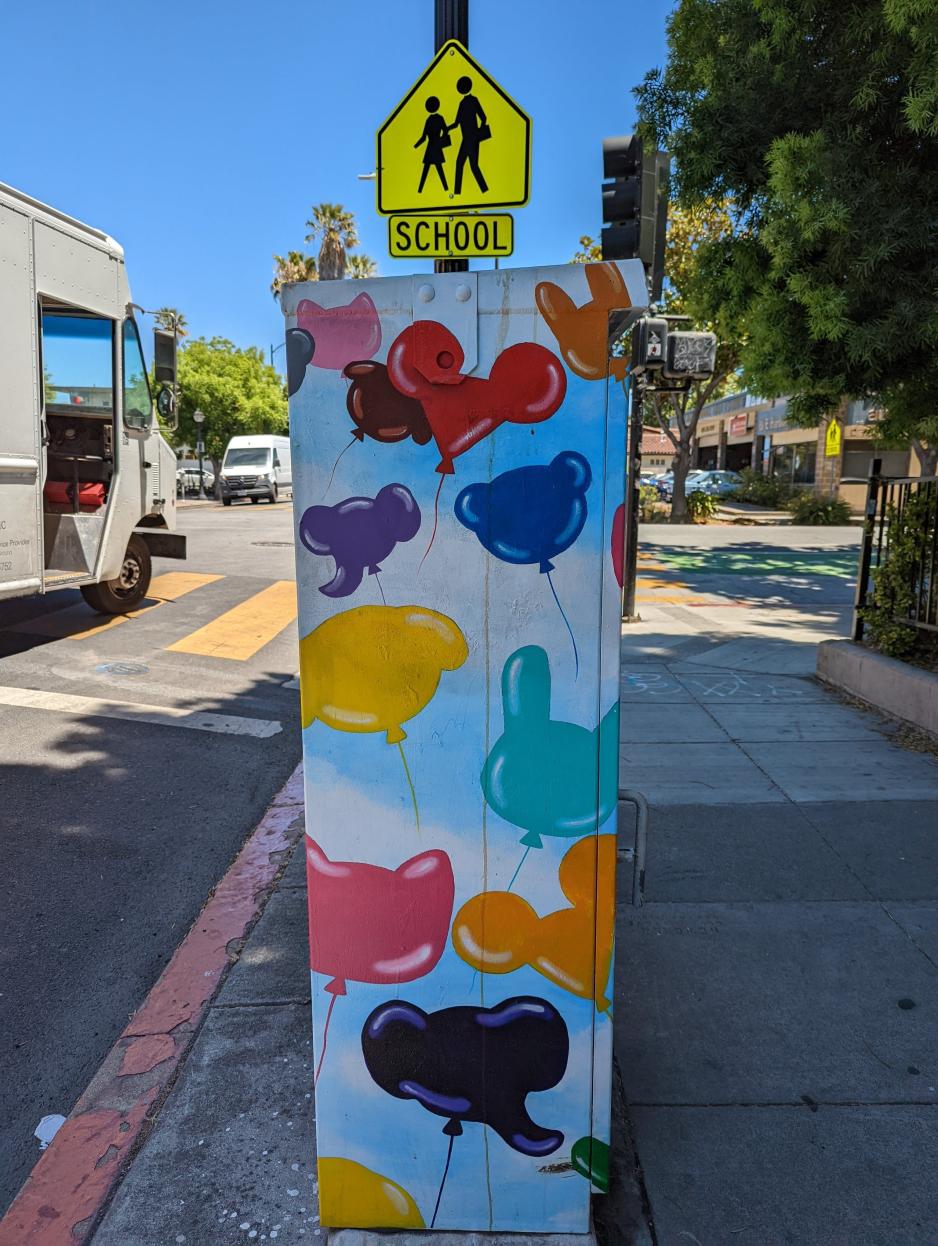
(590, 1158)
(541, 774)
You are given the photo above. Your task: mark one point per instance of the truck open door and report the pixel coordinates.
(20, 448)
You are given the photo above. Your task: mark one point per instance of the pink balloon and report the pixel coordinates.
(342, 334)
(369, 924)
(618, 535)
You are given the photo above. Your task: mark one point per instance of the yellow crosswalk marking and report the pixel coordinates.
(168, 587)
(240, 632)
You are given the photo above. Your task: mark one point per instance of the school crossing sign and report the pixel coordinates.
(457, 142)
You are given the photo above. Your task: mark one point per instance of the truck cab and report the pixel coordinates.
(87, 481)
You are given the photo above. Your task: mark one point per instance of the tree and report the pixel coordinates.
(336, 230)
(818, 122)
(694, 234)
(172, 319)
(236, 391)
(294, 266)
(360, 266)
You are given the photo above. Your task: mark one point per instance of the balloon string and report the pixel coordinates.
(410, 784)
(576, 656)
(336, 464)
(449, 1156)
(380, 589)
(518, 870)
(325, 1038)
(436, 519)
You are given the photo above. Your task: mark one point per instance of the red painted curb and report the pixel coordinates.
(66, 1190)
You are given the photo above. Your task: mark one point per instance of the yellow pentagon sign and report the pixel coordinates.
(832, 440)
(456, 141)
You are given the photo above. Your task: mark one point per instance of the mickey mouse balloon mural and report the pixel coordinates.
(472, 1064)
(499, 932)
(359, 533)
(375, 667)
(541, 774)
(530, 515)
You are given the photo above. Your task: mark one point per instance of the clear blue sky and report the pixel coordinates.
(199, 133)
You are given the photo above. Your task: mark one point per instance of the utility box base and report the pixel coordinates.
(458, 463)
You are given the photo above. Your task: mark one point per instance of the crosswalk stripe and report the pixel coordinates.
(75, 622)
(132, 711)
(240, 632)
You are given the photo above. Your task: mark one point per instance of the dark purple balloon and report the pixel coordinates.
(472, 1064)
(359, 533)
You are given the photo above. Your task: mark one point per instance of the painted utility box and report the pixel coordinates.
(458, 462)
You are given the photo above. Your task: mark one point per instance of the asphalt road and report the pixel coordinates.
(127, 787)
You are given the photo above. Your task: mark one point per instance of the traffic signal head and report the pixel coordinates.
(649, 344)
(635, 205)
(690, 356)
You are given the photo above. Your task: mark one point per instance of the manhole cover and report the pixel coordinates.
(122, 668)
(272, 544)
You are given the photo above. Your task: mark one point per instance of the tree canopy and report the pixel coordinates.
(235, 389)
(294, 266)
(817, 123)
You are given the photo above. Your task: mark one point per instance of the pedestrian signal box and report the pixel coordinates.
(456, 141)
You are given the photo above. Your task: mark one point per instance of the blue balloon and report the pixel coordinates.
(529, 514)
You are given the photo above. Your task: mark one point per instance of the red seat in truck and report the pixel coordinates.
(91, 495)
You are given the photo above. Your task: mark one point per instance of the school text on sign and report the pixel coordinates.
(437, 236)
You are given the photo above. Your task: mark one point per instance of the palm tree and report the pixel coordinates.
(171, 318)
(294, 266)
(360, 266)
(335, 228)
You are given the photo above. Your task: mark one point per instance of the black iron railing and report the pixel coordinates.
(901, 525)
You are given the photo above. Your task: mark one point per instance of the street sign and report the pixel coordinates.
(438, 236)
(833, 440)
(456, 141)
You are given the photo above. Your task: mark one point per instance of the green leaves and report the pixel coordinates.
(235, 389)
(818, 123)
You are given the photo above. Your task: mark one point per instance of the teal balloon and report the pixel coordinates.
(541, 774)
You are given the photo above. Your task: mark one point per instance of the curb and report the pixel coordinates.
(904, 692)
(63, 1197)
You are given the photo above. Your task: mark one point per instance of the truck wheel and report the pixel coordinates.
(226, 501)
(254, 501)
(129, 589)
(273, 496)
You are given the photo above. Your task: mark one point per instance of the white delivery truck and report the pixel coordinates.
(255, 467)
(87, 482)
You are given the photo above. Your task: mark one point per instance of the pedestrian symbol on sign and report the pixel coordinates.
(456, 141)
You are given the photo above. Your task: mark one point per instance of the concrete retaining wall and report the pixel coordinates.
(903, 691)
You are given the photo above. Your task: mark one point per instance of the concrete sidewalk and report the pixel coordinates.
(776, 1008)
(776, 1027)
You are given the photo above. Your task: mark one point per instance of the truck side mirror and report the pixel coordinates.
(166, 408)
(164, 356)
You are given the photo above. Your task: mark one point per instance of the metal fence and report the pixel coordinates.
(901, 524)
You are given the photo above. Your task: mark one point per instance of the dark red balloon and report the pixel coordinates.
(379, 410)
(618, 542)
(527, 384)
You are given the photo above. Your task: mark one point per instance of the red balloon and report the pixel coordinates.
(618, 537)
(369, 924)
(527, 384)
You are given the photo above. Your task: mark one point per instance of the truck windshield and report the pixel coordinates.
(246, 456)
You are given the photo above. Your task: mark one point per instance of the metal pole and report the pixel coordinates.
(451, 21)
(866, 550)
(632, 491)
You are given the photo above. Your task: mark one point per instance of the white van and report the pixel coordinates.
(87, 483)
(256, 467)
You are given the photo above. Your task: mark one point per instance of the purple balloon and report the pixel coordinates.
(359, 533)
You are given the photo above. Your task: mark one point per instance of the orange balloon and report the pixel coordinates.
(582, 333)
(498, 932)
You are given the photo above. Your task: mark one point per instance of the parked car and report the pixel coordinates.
(718, 484)
(187, 478)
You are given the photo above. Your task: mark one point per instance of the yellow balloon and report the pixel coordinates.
(352, 1196)
(498, 932)
(375, 667)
